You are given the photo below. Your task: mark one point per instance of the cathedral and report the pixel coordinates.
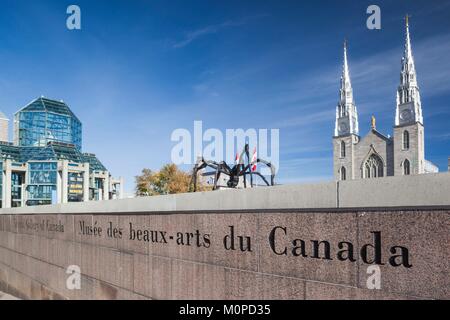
(377, 155)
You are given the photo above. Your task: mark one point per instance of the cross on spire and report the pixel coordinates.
(408, 50)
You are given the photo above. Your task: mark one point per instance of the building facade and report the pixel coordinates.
(45, 164)
(377, 155)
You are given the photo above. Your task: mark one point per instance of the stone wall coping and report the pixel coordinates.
(426, 191)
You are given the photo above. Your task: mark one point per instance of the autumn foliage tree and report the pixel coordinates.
(169, 180)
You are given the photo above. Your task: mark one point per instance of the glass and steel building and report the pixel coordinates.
(45, 163)
(43, 121)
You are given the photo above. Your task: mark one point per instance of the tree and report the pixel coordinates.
(168, 180)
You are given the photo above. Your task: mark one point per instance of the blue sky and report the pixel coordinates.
(140, 69)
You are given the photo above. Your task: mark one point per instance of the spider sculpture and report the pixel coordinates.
(236, 172)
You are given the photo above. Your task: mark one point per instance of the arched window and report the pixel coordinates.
(374, 171)
(406, 167)
(367, 172)
(342, 149)
(343, 174)
(405, 140)
(373, 168)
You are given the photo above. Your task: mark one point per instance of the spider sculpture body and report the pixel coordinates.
(234, 173)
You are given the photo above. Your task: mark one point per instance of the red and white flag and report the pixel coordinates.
(254, 158)
(238, 158)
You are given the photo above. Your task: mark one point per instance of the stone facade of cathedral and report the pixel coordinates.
(377, 155)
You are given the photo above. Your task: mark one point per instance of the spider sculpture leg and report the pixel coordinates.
(200, 166)
(248, 171)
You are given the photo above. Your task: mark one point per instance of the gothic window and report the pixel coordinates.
(373, 168)
(406, 167)
(374, 173)
(367, 175)
(343, 174)
(342, 149)
(405, 140)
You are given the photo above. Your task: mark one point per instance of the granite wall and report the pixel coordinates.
(288, 255)
(197, 247)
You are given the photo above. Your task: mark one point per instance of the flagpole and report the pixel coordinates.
(247, 151)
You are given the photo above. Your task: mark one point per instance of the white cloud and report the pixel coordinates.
(212, 29)
(306, 119)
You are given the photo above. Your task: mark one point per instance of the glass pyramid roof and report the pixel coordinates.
(8, 151)
(54, 151)
(94, 163)
(44, 104)
(59, 151)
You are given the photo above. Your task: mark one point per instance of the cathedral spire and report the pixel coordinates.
(407, 56)
(346, 93)
(346, 112)
(409, 107)
(345, 71)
